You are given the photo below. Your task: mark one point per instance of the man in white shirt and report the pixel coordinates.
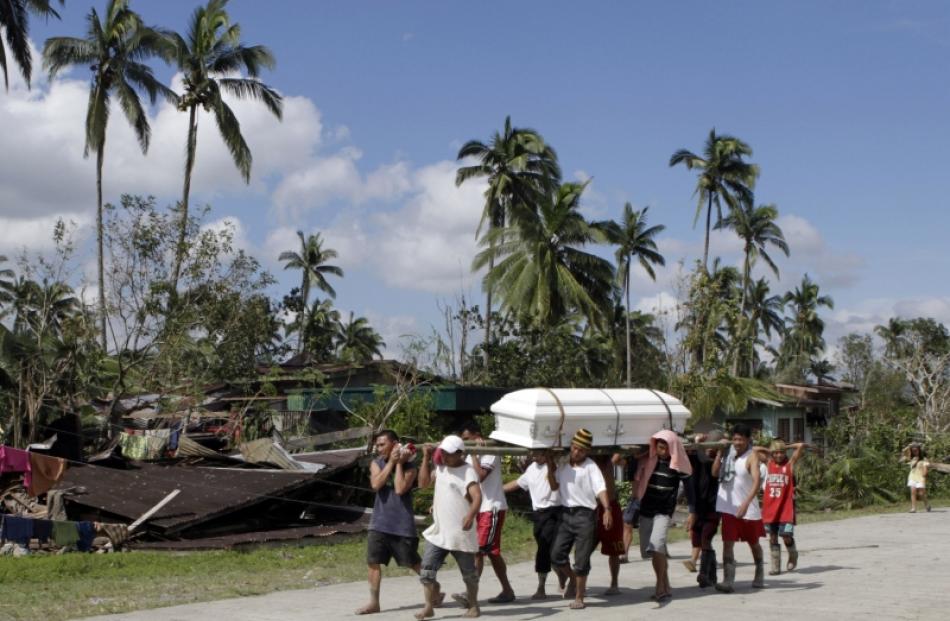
(455, 503)
(739, 485)
(582, 487)
(491, 515)
(537, 480)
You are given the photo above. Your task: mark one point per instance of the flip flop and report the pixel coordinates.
(502, 599)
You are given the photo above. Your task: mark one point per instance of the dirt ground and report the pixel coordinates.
(882, 566)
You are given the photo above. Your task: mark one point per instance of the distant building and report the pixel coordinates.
(794, 413)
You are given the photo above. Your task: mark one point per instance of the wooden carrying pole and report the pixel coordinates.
(520, 451)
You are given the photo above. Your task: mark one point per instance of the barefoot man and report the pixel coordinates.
(582, 488)
(455, 504)
(392, 528)
(538, 481)
(611, 541)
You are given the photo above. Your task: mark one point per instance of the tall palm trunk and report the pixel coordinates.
(304, 319)
(745, 326)
(708, 225)
(485, 356)
(627, 321)
(100, 246)
(189, 166)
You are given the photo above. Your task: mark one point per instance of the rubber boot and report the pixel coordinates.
(728, 577)
(775, 551)
(703, 576)
(792, 557)
(759, 581)
(712, 577)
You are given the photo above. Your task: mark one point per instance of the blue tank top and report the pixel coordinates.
(392, 513)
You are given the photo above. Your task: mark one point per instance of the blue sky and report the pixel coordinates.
(844, 103)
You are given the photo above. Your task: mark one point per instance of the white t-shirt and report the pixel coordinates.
(449, 508)
(535, 480)
(493, 493)
(580, 484)
(735, 485)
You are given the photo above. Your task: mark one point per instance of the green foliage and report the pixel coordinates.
(407, 410)
(543, 275)
(15, 26)
(211, 60)
(557, 356)
(723, 177)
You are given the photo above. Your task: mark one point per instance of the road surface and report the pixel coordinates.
(887, 566)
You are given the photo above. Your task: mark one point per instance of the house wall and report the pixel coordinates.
(769, 421)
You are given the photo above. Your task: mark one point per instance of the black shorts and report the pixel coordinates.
(380, 547)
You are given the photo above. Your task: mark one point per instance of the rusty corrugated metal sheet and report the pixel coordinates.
(206, 493)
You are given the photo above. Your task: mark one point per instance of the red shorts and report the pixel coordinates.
(611, 541)
(489, 532)
(734, 529)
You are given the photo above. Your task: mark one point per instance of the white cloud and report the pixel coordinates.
(49, 175)
(661, 303)
(425, 244)
(395, 330)
(865, 315)
(322, 180)
(237, 230)
(811, 254)
(34, 234)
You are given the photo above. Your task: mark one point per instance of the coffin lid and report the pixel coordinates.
(579, 401)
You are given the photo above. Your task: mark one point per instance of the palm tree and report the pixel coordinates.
(892, 334)
(765, 313)
(7, 286)
(311, 261)
(319, 329)
(15, 25)
(804, 328)
(544, 275)
(209, 59)
(723, 176)
(635, 241)
(113, 48)
(519, 167)
(821, 369)
(357, 341)
(756, 227)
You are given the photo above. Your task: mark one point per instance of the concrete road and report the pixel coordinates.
(877, 567)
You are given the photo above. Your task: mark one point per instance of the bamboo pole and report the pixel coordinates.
(520, 451)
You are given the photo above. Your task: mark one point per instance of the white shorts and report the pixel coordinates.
(916, 485)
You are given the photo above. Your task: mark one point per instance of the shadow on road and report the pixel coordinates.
(819, 569)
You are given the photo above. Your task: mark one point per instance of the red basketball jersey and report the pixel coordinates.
(778, 504)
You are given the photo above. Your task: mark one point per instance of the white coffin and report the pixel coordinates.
(616, 416)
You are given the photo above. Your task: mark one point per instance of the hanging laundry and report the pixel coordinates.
(158, 440)
(87, 532)
(46, 471)
(16, 529)
(117, 533)
(42, 530)
(148, 446)
(65, 534)
(15, 460)
(133, 446)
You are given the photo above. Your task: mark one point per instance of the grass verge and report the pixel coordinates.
(55, 588)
